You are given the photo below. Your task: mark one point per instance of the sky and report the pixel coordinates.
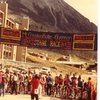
(88, 8)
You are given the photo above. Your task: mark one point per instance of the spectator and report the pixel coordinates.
(35, 85)
(43, 82)
(1, 77)
(29, 81)
(49, 84)
(94, 94)
(90, 87)
(14, 84)
(80, 82)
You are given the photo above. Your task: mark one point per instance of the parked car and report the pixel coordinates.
(54, 67)
(44, 70)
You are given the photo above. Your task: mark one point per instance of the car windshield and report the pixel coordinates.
(44, 69)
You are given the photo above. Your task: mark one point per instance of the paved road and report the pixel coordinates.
(24, 97)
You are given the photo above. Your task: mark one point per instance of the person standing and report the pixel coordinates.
(94, 94)
(14, 84)
(67, 83)
(35, 85)
(29, 81)
(74, 83)
(1, 77)
(3, 83)
(10, 83)
(49, 84)
(42, 85)
(90, 87)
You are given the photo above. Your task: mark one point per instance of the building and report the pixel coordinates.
(1, 18)
(25, 23)
(4, 9)
(9, 51)
(21, 53)
(21, 50)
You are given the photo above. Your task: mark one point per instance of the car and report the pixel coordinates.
(54, 67)
(44, 70)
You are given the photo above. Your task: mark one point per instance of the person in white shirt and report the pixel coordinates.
(14, 85)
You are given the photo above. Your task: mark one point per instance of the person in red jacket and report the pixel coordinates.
(94, 94)
(90, 87)
(35, 84)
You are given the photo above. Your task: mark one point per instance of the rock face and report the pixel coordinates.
(52, 15)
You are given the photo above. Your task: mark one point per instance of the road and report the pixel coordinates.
(24, 97)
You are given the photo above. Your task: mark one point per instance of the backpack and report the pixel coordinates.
(80, 84)
(49, 80)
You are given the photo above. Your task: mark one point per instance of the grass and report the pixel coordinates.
(51, 54)
(78, 56)
(87, 56)
(60, 67)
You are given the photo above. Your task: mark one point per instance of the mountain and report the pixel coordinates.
(51, 15)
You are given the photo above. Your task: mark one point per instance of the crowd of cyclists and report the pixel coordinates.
(68, 86)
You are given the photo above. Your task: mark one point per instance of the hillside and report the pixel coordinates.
(88, 56)
(59, 67)
(51, 15)
(53, 55)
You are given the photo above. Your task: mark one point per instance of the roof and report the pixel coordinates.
(11, 20)
(62, 59)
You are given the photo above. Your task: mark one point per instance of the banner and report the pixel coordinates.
(85, 41)
(84, 37)
(64, 41)
(10, 36)
(9, 41)
(83, 46)
(48, 40)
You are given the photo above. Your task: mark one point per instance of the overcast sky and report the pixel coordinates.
(88, 8)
